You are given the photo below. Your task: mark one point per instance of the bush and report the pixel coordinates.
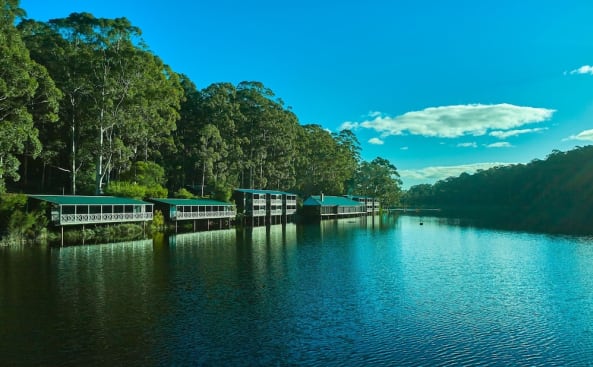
(16, 223)
(223, 192)
(126, 189)
(183, 194)
(158, 222)
(156, 191)
(133, 190)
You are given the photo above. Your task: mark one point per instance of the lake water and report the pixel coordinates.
(355, 292)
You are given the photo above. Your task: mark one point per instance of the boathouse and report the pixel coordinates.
(200, 211)
(371, 204)
(326, 207)
(265, 206)
(80, 210)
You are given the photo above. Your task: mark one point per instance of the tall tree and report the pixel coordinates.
(379, 179)
(27, 94)
(123, 100)
(269, 132)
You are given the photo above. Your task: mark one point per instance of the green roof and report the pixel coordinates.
(330, 201)
(88, 200)
(198, 202)
(254, 191)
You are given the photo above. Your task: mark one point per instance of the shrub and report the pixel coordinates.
(158, 222)
(126, 189)
(183, 194)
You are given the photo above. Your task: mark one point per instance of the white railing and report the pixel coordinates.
(206, 215)
(276, 212)
(104, 218)
(276, 202)
(257, 213)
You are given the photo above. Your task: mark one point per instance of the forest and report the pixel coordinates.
(551, 195)
(87, 108)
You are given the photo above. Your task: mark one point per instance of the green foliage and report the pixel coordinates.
(378, 179)
(223, 193)
(18, 224)
(27, 94)
(145, 173)
(126, 189)
(158, 222)
(156, 191)
(554, 194)
(135, 191)
(183, 194)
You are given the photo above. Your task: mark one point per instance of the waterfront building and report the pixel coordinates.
(265, 206)
(205, 212)
(326, 207)
(70, 210)
(67, 210)
(371, 205)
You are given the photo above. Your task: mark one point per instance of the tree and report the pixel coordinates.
(27, 94)
(319, 172)
(379, 179)
(129, 97)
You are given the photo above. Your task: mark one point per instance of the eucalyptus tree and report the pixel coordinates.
(123, 100)
(269, 132)
(27, 95)
(347, 156)
(379, 179)
(220, 107)
(318, 173)
(66, 144)
(211, 150)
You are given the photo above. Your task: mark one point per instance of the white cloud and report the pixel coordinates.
(441, 172)
(505, 134)
(376, 141)
(500, 144)
(348, 125)
(456, 121)
(585, 69)
(473, 144)
(586, 135)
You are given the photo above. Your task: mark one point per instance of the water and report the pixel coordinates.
(345, 293)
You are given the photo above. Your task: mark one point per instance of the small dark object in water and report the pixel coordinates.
(421, 223)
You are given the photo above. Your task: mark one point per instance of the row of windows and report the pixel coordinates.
(98, 209)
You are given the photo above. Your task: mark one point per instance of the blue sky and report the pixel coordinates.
(437, 87)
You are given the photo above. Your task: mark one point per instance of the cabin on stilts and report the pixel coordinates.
(261, 207)
(204, 213)
(371, 205)
(69, 210)
(332, 207)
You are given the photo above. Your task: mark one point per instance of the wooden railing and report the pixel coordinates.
(104, 218)
(206, 215)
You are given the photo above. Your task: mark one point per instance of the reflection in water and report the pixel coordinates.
(358, 291)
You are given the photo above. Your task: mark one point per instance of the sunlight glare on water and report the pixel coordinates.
(356, 292)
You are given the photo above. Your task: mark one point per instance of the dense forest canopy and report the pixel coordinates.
(87, 108)
(554, 194)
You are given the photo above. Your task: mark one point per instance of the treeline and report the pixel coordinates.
(87, 108)
(554, 195)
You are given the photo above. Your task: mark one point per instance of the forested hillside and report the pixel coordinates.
(87, 108)
(555, 194)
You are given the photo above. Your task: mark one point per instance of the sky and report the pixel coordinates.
(436, 87)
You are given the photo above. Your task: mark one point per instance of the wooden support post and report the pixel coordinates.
(62, 227)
